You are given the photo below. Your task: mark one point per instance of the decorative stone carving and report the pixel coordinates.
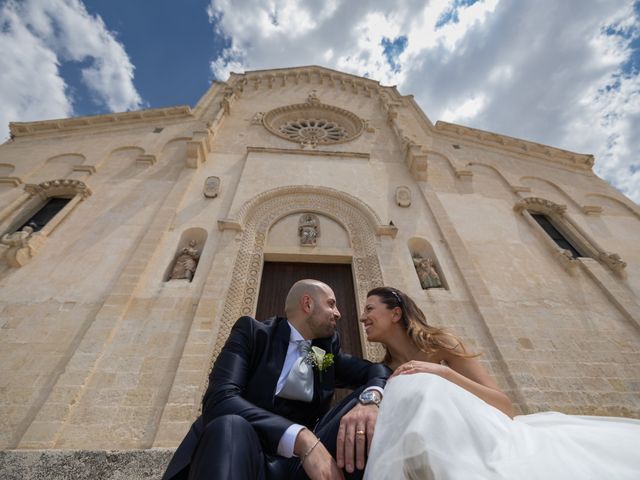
(539, 205)
(427, 273)
(313, 98)
(308, 229)
(186, 263)
(613, 261)
(60, 187)
(20, 247)
(313, 123)
(403, 196)
(212, 187)
(257, 118)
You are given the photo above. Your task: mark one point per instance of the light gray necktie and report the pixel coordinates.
(299, 382)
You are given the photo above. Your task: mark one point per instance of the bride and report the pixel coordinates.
(452, 421)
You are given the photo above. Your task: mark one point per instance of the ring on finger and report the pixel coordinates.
(360, 432)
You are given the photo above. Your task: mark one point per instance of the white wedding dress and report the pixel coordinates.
(431, 429)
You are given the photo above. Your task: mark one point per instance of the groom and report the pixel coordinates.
(264, 415)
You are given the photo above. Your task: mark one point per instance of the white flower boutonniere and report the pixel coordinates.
(318, 358)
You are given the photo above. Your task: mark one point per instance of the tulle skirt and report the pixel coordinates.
(431, 429)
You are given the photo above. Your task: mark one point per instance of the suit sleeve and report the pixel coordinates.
(228, 381)
(353, 372)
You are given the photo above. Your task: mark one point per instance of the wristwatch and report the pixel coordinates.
(370, 397)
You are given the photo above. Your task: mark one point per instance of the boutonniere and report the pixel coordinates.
(318, 358)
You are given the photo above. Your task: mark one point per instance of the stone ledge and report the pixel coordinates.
(84, 464)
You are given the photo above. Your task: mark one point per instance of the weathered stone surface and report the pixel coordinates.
(83, 464)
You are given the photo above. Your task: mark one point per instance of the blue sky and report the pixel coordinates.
(566, 73)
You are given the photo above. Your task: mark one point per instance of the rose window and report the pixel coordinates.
(313, 131)
(313, 123)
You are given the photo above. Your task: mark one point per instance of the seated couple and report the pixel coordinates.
(266, 413)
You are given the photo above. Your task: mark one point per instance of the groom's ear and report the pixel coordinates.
(306, 302)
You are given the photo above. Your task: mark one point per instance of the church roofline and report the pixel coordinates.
(64, 125)
(538, 150)
(312, 69)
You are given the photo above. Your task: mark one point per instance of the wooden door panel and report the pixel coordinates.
(277, 278)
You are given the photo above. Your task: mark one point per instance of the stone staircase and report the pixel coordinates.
(84, 464)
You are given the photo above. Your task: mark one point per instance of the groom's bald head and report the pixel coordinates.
(310, 287)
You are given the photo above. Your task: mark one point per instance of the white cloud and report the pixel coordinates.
(36, 36)
(542, 70)
(465, 111)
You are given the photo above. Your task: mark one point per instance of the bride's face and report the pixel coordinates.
(377, 319)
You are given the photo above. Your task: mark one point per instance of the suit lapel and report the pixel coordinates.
(274, 357)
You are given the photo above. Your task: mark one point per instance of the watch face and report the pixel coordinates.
(368, 397)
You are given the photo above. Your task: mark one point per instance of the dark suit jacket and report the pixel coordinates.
(243, 382)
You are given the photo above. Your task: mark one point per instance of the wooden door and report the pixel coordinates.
(277, 278)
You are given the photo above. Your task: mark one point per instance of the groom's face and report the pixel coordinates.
(325, 314)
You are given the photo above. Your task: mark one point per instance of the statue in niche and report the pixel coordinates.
(403, 196)
(211, 187)
(186, 263)
(427, 273)
(308, 229)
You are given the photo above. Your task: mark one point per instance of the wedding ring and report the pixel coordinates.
(360, 432)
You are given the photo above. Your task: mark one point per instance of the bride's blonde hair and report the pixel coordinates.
(427, 338)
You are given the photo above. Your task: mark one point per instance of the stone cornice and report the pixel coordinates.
(309, 74)
(516, 145)
(308, 152)
(66, 125)
(313, 74)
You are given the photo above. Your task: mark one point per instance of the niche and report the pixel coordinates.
(185, 260)
(428, 270)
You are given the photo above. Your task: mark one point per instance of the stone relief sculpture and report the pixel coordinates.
(212, 187)
(186, 263)
(308, 229)
(403, 196)
(427, 273)
(257, 118)
(18, 248)
(313, 98)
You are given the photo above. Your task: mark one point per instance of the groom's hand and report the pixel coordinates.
(354, 436)
(316, 460)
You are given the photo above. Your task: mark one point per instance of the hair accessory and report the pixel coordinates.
(398, 297)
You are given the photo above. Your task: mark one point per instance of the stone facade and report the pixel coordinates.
(100, 351)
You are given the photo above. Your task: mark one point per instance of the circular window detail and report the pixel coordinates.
(313, 131)
(313, 124)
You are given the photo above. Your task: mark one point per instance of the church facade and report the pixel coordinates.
(131, 242)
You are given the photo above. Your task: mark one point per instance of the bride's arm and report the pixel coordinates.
(466, 373)
(469, 374)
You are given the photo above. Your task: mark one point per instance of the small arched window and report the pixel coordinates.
(30, 220)
(48, 211)
(566, 239)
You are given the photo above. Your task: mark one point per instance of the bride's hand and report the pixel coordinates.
(415, 366)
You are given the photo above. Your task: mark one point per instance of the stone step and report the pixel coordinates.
(84, 464)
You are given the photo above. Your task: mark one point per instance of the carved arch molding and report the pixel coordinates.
(258, 215)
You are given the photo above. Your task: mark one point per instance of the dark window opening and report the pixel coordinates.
(555, 234)
(45, 214)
